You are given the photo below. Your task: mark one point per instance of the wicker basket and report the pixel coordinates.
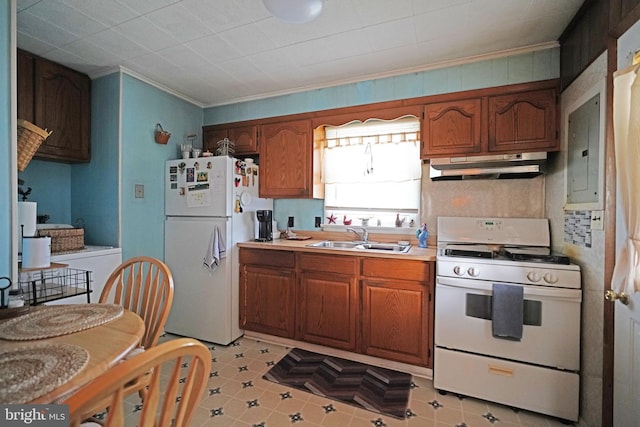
(64, 239)
(30, 137)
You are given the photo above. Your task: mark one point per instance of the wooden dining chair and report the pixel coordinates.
(143, 285)
(179, 371)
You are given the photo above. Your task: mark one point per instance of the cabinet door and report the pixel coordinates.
(210, 138)
(396, 321)
(328, 309)
(397, 310)
(523, 122)
(286, 158)
(328, 300)
(245, 139)
(267, 300)
(452, 128)
(25, 68)
(63, 105)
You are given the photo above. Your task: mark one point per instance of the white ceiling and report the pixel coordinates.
(216, 52)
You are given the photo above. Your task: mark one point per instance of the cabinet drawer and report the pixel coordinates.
(334, 263)
(397, 269)
(270, 258)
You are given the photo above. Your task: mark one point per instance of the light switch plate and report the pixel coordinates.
(139, 191)
(597, 220)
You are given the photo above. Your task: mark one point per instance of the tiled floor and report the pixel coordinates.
(238, 396)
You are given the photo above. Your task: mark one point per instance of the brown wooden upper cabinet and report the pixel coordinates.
(623, 14)
(245, 139)
(287, 161)
(60, 101)
(453, 127)
(523, 122)
(210, 138)
(494, 123)
(26, 78)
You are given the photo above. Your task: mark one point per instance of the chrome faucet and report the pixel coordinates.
(364, 235)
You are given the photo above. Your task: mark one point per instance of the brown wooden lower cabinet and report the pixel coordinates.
(328, 300)
(395, 321)
(267, 292)
(397, 310)
(381, 307)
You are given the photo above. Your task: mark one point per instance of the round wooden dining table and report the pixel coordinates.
(105, 344)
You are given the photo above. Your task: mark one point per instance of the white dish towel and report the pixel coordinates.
(216, 251)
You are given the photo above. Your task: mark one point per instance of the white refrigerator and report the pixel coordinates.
(210, 204)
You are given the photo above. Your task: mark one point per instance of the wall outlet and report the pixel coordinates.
(290, 222)
(597, 220)
(139, 191)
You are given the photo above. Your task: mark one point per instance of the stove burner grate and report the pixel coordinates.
(549, 259)
(538, 255)
(468, 253)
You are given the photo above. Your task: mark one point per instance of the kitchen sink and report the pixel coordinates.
(387, 247)
(369, 246)
(334, 244)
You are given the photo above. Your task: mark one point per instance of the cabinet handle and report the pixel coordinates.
(498, 370)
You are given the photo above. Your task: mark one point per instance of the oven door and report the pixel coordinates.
(551, 331)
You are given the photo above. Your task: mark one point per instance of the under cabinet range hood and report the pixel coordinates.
(498, 166)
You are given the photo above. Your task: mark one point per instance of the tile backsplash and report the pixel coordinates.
(516, 198)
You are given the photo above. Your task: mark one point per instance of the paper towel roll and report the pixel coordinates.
(36, 252)
(27, 212)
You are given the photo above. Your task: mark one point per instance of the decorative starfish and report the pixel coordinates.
(332, 219)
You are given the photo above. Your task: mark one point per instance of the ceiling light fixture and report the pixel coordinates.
(294, 11)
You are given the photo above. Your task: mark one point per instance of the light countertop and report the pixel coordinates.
(87, 251)
(415, 253)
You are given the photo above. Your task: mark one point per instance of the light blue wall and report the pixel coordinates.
(6, 201)
(67, 192)
(532, 66)
(143, 161)
(303, 212)
(50, 184)
(124, 113)
(94, 186)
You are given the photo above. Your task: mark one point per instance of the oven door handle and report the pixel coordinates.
(529, 290)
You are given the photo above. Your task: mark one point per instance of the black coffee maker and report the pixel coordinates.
(265, 228)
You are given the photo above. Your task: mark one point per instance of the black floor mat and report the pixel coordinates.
(376, 389)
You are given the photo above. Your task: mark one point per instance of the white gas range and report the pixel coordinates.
(507, 315)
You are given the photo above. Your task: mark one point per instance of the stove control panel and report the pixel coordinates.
(496, 230)
(489, 225)
(562, 276)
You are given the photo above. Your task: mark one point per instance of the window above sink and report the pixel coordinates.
(372, 174)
